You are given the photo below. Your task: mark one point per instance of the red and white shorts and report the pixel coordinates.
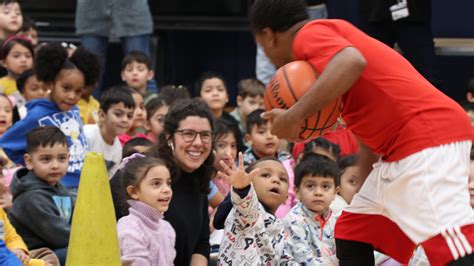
(421, 199)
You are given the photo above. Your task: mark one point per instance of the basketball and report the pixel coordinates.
(289, 84)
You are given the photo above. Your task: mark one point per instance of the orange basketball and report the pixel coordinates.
(289, 84)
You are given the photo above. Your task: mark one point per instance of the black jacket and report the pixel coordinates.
(188, 214)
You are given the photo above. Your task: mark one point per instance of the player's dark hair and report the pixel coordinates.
(278, 15)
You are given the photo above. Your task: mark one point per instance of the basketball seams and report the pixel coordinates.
(331, 114)
(267, 100)
(303, 129)
(284, 93)
(325, 126)
(315, 128)
(288, 84)
(267, 96)
(316, 74)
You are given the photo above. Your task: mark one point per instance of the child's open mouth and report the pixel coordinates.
(164, 200)
(275, 190)
(270, 145)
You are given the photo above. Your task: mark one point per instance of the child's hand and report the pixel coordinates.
(236, 175)
(21, 254)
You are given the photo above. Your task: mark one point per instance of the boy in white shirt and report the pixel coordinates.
(115, 118)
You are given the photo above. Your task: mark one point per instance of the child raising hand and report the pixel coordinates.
(236, 175)
(252, 233)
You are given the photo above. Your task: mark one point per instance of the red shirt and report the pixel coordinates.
(125, 137)
(343, 137)
(391, 108)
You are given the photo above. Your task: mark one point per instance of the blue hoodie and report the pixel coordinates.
(43, 112)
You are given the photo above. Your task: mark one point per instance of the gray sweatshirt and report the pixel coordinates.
(41, 213)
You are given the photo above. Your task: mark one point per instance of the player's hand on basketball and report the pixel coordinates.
(284, 126)
(236, 174)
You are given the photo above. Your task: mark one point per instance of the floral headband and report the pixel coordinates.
(130, 158)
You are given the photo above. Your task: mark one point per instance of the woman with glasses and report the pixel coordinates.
(186, 144)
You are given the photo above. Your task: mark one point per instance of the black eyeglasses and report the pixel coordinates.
(189, 135)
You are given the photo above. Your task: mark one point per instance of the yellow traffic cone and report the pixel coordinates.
(93, 239)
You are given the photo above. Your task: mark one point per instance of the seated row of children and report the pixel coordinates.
(121, 113)
(277, 210)
(144, 175)
(118, 109)
(262, 144)
(277, 213)
(252, 233)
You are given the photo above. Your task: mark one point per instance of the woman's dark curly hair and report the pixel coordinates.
(52, 58)
(179, 111)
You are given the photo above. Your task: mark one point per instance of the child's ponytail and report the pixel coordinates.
(51, 58)
(88, 64)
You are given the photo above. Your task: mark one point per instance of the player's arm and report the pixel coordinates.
(342, 71)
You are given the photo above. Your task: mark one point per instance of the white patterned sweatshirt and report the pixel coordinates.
(310, 238)
(252, 236)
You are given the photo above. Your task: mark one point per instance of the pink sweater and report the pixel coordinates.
(145, 238)
(291, 200)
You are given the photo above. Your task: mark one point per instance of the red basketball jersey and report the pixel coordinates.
(392, 108)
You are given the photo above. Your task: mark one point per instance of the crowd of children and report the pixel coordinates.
(187, 176)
